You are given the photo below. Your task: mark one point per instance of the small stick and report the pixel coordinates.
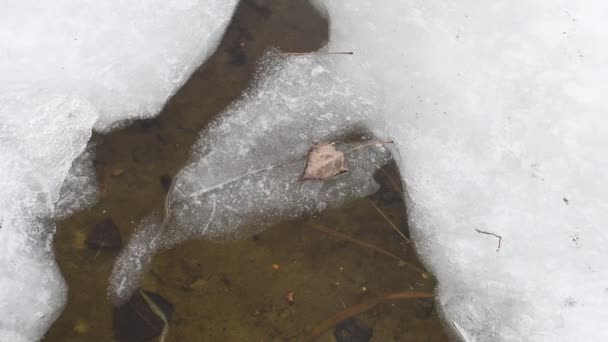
(490, 233)
(167, 207)
(362, 307)
(375, 142)
(158, 312)
(318, 53)
(390, 222)
(377, 249)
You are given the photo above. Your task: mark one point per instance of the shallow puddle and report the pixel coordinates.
(279, 285)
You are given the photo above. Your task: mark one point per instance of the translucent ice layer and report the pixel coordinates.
(246, 167)
(67, 67)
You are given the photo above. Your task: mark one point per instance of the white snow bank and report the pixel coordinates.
(68, 66)
(499, 115)
(245, 170)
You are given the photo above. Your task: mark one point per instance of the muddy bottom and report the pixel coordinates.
(280, 285)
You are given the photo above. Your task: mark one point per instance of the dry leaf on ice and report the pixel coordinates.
(323, 162)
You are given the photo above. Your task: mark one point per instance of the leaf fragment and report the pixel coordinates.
(324, 161)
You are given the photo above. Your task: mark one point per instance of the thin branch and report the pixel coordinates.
(362, 307)
(158, 312)
(318, 53)
(493, 234)
(369, 246)
(390, 222)
(375, 142)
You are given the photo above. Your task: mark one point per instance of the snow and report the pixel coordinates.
(497, 111)
(245, 171)
(69, 67)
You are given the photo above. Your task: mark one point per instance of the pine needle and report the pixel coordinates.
(369, 246)
(390, 222)
(362, 307)
(158, 312)
(318, 53)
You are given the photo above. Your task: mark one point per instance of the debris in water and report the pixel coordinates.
(117, 172)
(352, 330)
(137, 320)
(291, 297)
(105, 234)
(323, 162)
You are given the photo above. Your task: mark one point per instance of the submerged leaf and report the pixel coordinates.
(323, 162)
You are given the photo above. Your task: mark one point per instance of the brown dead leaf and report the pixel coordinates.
(323, 162)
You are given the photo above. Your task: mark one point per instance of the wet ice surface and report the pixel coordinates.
(246, 167)
(31, 288)
(79, 189)
(69, 67)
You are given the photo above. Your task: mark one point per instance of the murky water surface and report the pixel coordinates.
(239, 291)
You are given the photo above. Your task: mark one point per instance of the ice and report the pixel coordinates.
(497, 112)
(31, 288)
(79, 189)
(497, 109)
(68, 67)
(125, 57)
(245, 171)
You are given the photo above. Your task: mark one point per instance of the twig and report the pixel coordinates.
(167, 207)
(490, 233)
(375, 142)
(390, 222)
(158, 312)
(362, 307)
(318, 53)
(363, 244)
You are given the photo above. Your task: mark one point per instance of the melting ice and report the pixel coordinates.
(246, 167)
(66, 67)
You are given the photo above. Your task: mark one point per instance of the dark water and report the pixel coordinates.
(237, 291)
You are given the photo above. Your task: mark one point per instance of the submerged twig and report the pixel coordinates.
(362, 307)
(390, 222)
(493, 234)
(167, 207)
(377, 249)
(158, 312)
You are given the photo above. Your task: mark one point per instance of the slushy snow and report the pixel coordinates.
(68, 67)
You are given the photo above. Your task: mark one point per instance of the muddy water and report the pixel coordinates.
(237, 291)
